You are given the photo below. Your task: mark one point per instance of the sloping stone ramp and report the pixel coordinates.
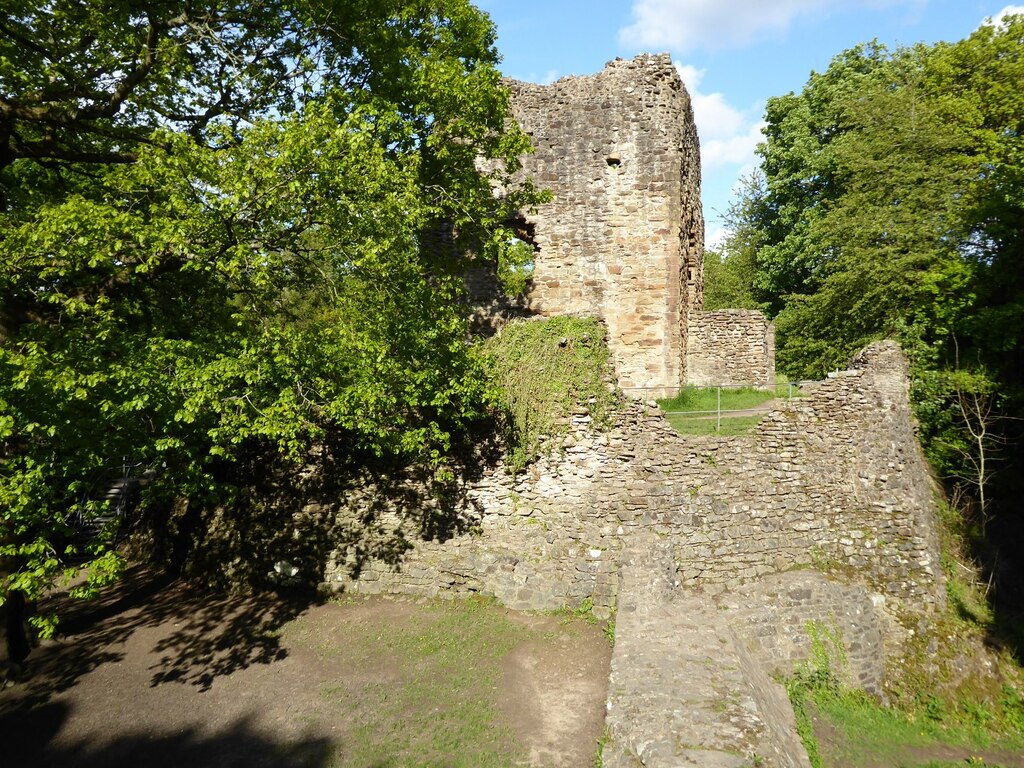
(684, 690)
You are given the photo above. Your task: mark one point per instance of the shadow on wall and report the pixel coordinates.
(28, 739)
(286, 522)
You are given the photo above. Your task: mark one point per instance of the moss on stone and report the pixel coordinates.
(548, 372)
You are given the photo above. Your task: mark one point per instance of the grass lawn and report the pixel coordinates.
(403, 715)
(731, 425)
(439, 702)
(692, 411)
(706, 398)
(849, 730)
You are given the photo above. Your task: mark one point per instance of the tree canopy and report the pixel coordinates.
(892, 205)
(893, 201)
(226, 225)
(731, 266)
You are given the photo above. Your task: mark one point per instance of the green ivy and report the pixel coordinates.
(545, 370)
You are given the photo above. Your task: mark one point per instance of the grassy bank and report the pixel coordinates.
(848, 729)
(544, 371)
(955, 696)
(694, 410)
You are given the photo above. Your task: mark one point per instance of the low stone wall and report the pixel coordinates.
(730, 346)
(773, 616)
(684, 689)
(720, 554)
(833, 480)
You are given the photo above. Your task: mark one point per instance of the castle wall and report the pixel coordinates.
(622, 238)
(833, 481)
(730, 346)
(723, 559)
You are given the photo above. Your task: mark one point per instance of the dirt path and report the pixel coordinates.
(156, 675)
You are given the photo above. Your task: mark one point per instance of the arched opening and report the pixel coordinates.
(517, 258)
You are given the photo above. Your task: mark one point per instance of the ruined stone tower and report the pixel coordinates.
(623, 236)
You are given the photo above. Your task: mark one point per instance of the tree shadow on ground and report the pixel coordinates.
(219, 636)
(29, 739)
(335, 506)
(215, 635)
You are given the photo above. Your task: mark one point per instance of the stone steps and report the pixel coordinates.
(683, 689)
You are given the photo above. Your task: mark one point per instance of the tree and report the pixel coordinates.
(220, 232)
(731, 270)
(893, 206)
(893, 201)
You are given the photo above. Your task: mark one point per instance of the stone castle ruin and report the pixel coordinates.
(623, 236)
(714, 554)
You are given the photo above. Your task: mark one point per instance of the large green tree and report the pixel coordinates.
(893, 206)
(231, 226)
(731, 273)
(893, 201)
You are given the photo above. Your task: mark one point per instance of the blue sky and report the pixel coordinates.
(733, 54)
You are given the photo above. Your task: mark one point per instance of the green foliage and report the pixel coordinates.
(515, 267)
(892, 200)
(582, 612)
(892, 206)
(731, 270)
(960, 685)
(220, 232)
(727, 281)
(545, 370)
(865, 733)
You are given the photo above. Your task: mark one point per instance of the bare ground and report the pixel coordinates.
(158, 675)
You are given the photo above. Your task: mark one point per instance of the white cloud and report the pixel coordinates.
(714, 116)
(715, 236)
(734, 150)
(683, 25)
(728, 135)
(1009, 10)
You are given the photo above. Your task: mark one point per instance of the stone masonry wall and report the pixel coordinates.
(622, 238)
(723, 558)
(730, 346)
(832, 481)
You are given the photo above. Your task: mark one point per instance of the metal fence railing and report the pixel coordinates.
(785, 390)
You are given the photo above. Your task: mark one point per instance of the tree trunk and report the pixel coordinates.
(18, 645)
